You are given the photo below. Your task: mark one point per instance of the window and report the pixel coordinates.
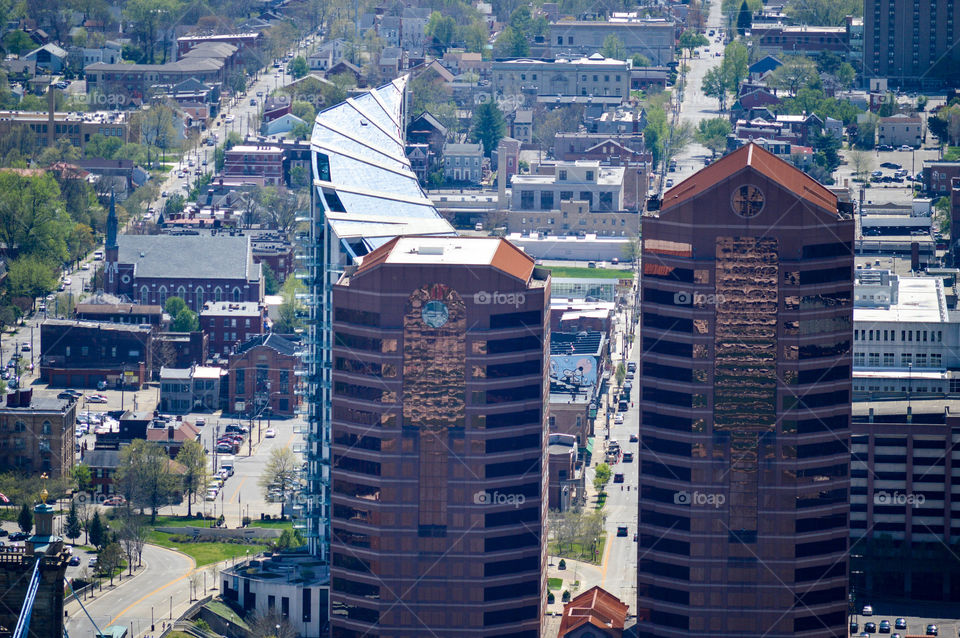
(239, 374)
(546, 200)
(526, 200)
(563, 175)
(236, 294)
(589, 176)
(217, 294)
(199, 294)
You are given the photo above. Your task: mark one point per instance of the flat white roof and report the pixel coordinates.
(466, 251)
(919, 299)
(207, 372)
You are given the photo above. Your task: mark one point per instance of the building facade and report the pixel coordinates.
(37, 434)
(593, 76)
(911, 43)
(439, 441)
(900, 130)
(745, 405)
(261, 164)
(263, 377)
(227, 323)
(463, 162)
(81, 354)
(651, 37)
(599, 187)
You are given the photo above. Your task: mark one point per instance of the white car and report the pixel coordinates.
(270, 433)
(84, 266)
(96, 398)
(228, 119)
(67, 281)
(618, 420)
(211, 494)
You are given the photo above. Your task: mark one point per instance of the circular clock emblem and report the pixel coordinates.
(125, 279)
(747, 201)
(435, 313)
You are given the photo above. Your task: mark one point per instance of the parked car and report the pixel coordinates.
(74, 560)
(933, 630)
(25, 346)
(115, 501)
(618, 420)
(270, 433)
(634, 438)
(93, 561)
(101, 384)
(867, 610)
(96, 398)
(618, 477)
(200, 421)
(628, 457)
(906, 147)
(870, 628)
(19, 536)
(900, 623)
(211, 494)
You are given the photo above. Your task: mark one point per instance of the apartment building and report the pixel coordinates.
(912, 43)
(600, 187)
(228, 323)
(261, 164)
(37, 434)
(602, 79)
(651, 37)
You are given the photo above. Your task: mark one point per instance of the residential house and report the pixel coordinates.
(421, 160)
(900, 130)
(463, 162)
(509, 148)
(565, 473)
(103, 463)
(49, 57)
(391, 62)
(179, 349)
(37, 434)
(760, 69)
(262, 373)
(648, 78)
(388, 28)
(521, 125)
(344, 66)
(327, 55)
(758, 97)
(20, 70)
(281, 125)
(426, 129)
(81, 57)
(274, 107)
(171, 434)
(413, 29)
(938, 177)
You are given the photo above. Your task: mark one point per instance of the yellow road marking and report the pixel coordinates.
(237, 491)
(154, 592)
(606, 555)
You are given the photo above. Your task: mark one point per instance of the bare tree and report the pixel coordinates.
(862, 163)
(133, 535)
(270, 624)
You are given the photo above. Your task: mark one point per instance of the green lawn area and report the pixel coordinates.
(223, 611)
(204, 553)
(273, 524)
(951, 153)
(554, 583)
(576, 551)
(178, 634)
(589, 273)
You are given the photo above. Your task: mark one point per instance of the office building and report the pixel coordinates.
(605, 80)
(911, 43)
(744, 391)
(37, 434)
(599, 187)
(439, 444)
(650, 37)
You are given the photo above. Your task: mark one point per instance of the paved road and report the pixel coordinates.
(165, 577)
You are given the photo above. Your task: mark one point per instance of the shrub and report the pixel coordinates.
(562, 565)
(566, 596)
(550, 598)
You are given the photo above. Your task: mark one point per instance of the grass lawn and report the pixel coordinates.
(178, 634)
(273, 524)
(223, 611)
(951, 153)
(204, 553)
(601, 500)
(554, 583)
(590, 273)
(576, 551)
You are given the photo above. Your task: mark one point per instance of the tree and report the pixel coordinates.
(867, 130)
(823, 13)
(193, 458)
(713, 133)
(601, 476)
(174, 305)
(144, 469)
(846, 75)
(185, 321)
(298, 67)
(736, 64)
(29, 277)
(96, 531)
(33, 220)
(488, 126)
(109, 559)
(270, 624)
(291, 309)
(862, 163)
(941, 214)
(25, 519)
(82, 477)
(621, 374)
(133, 536)
(640, 60)
(690, 40)
(511, 44)
(74, 529)
(793, 74)
(613, 48)
(921, 102)
(715, 85)
(744, 19)
(270, 284)
(279, 473)
(174, 205)
(18, 42)
(155, 126)
(441, 30)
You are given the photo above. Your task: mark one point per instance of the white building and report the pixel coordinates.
(601, 187)
(904, 339)
(602, 80)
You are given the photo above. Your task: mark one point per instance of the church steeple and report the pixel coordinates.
(112, 224)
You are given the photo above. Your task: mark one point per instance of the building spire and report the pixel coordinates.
(112, 223)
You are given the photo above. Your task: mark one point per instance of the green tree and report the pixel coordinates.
(716, 85)
(713, 133)
(511, 43)
(174, 305)
(639, 60)
(601, 476)
(823, 13)
(102, 146)
(96, 531)
(25, 519)
(174, 205)
(303, 110)
(298, 67)
(144, 470)
(941, 214)
(193, 458)
(690, 40)
(736, 64)
(289, 313)
(18, 42)
(621, 373)
(82, 477)
(867, 130)
(921, 102)
(301, 130)
(270, 284)
(744, 18)
(73, 530)
(33, 220)
(613, 48)
(279, 473)
(795, 73)
(110, 559)
(488, 126)
(185, 321)
(31, 278)
(846, 75)
(441, 30)
(522, 20)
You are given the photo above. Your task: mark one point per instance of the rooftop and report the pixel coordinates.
(281, 344)
(188, 256)
(243, 308)
(918, 299)
(101, 325)
(460, 251)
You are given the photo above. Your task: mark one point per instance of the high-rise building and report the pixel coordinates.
(439, 441)
(911, 43)
(745, 384)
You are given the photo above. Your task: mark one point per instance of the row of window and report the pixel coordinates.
(906, 336)
(907, 359)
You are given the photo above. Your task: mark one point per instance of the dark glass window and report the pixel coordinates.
(818, 548)
(357, 342)
(514, 443)
(501, 346)
(521, 393)
(819, 572)
(662, 519)
(516, 590)
(519, 369)
(514, 541)
(359, 317)
(512, 468)
(351, 464)
(516, 319)
(505, 616)
(350, 562)
(512, 566)
(511, 419)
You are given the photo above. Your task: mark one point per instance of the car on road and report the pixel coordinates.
(3, 532)
(622, 530)
(66, 394)
(885, 147)
(270, 433)
(97, 398)
(211, 494)
(867, 610)
(628, 457)
(19, 536)
(669, 183)
(93, 561)
(884, 627)
(717, 54)
(200, 421)
(618, 477)
(74, 560)
(634, 438)
(228, 119)
(876, 174)
(84, 266)
(227, 448)
(618, 420)
(67, 281)
(906, 148)
(236, 427)
(115, 501)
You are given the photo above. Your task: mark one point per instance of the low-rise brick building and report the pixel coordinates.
(262, 373)
(37, 434)
(84, 353)
(227, 323)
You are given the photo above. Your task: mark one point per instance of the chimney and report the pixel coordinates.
(170, 433)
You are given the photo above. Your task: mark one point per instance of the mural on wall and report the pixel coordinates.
(575, 370)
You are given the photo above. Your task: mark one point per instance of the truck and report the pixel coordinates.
(227, 463)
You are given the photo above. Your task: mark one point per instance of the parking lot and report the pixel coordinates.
(929, 613)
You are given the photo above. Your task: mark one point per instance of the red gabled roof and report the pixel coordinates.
(596, 607)
(760, 160)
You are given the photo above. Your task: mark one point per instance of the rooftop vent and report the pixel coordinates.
(431, 250)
